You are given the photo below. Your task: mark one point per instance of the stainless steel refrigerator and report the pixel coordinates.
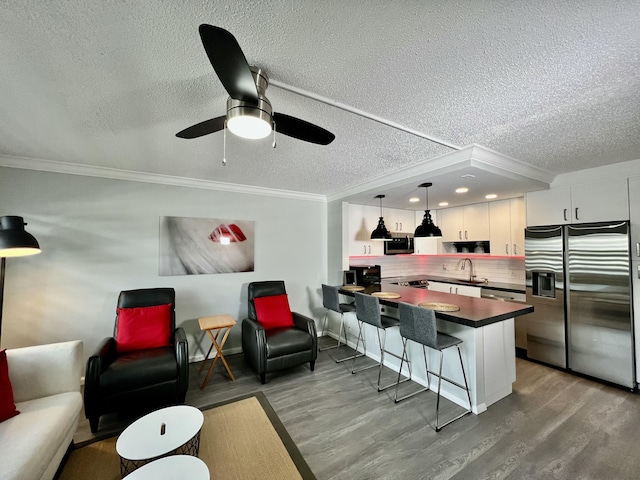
(578, 280)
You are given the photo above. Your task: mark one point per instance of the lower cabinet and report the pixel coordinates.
(455, 289)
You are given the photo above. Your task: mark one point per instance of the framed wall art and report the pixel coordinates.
(194, 246)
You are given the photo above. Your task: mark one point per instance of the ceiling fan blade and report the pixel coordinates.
(203, 128)
(302, 130)
(229, 62)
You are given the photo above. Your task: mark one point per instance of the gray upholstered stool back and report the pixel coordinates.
(330, 298)
(368, 309)
(418, 324)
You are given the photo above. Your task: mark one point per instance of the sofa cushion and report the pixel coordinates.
(139, 369)
(284, 341)
(7, 405)
(273, 311)
(44, 426)
(143, 327)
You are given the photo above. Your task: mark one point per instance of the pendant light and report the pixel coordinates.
(381, 232)
(427, 228)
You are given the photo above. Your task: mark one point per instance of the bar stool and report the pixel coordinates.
(418, 324)
(331, 302)
(368, 311)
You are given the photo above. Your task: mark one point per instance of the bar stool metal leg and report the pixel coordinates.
(324, 325)
(350, 357)
(405, 355)
(382, 343)
(364, 353)
(464, 387)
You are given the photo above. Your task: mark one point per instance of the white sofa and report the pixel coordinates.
(46, 388)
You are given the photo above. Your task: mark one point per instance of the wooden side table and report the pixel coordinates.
(214, 326)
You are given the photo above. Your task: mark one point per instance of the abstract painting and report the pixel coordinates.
(193, 246)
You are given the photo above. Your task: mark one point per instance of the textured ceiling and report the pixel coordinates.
(553, 84)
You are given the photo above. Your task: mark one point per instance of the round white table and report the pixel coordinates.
(174, 467)
(164, 432)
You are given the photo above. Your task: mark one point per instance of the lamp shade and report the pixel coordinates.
(249, 121)
(380, 232)
(427, 228)
(15, 241)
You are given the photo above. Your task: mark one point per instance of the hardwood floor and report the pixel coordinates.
(553, 426)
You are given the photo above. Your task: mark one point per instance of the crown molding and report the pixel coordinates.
(131, 176)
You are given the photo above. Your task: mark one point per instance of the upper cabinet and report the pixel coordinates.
(398, 220)
(468, 223)
(506, 227)
(592, 202)
(634, 214)
(363, 219)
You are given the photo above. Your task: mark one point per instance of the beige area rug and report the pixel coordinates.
(242, 439)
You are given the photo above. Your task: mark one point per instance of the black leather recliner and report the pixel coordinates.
(139, 380)
(277, 348)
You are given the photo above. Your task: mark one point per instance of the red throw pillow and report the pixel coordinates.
(273, 311)
(143, 327)
(7, 405)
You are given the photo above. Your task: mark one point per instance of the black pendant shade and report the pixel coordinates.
(427, 228)
(381, 232)
(14, 240)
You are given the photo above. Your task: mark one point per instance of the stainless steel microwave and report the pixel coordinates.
(398, 245)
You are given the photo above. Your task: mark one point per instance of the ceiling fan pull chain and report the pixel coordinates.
(274, 135)
(224, 145)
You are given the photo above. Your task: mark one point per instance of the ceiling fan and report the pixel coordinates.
(249, 113)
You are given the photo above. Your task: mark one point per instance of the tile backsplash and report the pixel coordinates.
(495, 269)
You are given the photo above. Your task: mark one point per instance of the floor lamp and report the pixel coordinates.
(15, 241)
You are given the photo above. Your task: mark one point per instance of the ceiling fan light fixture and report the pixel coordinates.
(248, 121)
(427, 228)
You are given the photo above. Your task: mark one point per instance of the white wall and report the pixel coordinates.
(100, 236)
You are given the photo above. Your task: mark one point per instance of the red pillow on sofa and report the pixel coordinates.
(143, 327)
(273, 311)
(7, 404)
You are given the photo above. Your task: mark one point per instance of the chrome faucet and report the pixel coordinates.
(471, 275)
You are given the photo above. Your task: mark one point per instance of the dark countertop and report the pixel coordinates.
(505, 287)
(474, 312)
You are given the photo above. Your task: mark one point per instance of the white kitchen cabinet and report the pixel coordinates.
(363, 219)
(468, 223)
(589, 202)
(506, 227)
(634, 215)
(399, 220)
(455, 289)
(427, 246)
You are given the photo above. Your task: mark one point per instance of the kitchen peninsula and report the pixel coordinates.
(488, 350)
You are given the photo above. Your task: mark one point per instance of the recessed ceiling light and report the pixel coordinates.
(462, 190)
(491, 196)
(443, 204)
(414, 199)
